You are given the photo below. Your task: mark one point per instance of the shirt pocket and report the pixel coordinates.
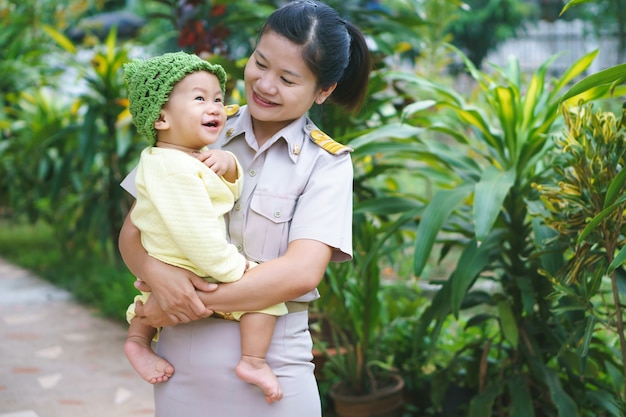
(266, 234)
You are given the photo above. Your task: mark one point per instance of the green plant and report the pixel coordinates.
(354, 307)
(584, 203)
(482, 155)
(489, 208)
(25, 60)
(73, 153)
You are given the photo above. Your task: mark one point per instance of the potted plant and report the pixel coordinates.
(365, 384)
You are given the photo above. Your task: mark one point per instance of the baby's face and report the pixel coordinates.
(194, 115)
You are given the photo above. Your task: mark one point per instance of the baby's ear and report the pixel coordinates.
(161, 123)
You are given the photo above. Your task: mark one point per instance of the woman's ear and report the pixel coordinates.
(323, 94)
(161, 123)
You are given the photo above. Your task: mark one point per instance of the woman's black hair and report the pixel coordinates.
(334, 49)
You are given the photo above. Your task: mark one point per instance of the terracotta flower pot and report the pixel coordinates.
(320, 357)
(386, 401)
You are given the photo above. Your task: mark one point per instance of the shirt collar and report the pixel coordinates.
(293, 134)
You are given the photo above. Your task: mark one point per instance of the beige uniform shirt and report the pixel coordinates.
(293, 189)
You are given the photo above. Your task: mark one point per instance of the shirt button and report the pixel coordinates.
(239, 248)
(252, 172)
(277, 213)
(237, 207)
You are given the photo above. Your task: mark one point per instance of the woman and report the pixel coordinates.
(293, 217)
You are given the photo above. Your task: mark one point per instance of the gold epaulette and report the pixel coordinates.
(328, 144)
(231, 110)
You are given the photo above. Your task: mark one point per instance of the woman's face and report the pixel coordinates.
(279, 86)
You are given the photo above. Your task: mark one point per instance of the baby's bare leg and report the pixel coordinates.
(256, 335)
(138, 349)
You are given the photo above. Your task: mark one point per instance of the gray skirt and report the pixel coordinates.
(205, 353)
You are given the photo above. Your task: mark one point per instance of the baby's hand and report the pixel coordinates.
(221, 162)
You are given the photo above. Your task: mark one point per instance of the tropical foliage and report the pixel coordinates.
(487, 153)
(584, 205)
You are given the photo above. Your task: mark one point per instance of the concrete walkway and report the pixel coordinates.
(60, 359)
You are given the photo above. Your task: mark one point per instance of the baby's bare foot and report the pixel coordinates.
(256, 371)
(148, 364)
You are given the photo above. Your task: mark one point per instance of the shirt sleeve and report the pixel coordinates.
(324, 210)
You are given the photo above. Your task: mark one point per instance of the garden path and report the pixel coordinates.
(59, 358)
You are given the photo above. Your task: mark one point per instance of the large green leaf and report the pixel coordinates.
(462, 165)
(417, 107)
(482, 404)
(450, 94)
(391, 130)
(533, 94)
(473, 118)
(565, 405)
(489, 196)
(583, 345)
(574, 3)
(388, 205)
(606, 76)
(508, 114)
(460, 137)
(620, 258)
(521, 400)
(615, 188)
(434, 216)
(551, 257)
(598, 219)
(575, 70)
(60, 38)
(507, 322)
(471, 263)
(606, 401)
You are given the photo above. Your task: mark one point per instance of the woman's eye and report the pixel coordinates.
(286, 81)
(200, 98)
(219, 100)
(260, 65)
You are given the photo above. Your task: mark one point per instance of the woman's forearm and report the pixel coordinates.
(290, 276)
(131, 249)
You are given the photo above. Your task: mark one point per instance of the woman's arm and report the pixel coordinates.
(173, 289)
(282, 279)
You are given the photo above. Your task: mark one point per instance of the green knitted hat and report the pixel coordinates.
(151, 80)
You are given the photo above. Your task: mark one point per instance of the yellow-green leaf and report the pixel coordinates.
(63, 41)
(576, 69)
(606, 76)
(508, 117)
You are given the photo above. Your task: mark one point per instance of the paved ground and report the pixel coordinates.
(58, 358)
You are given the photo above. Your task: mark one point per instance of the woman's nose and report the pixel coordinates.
(266, 84)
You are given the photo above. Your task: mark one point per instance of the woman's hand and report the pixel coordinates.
(174, 298)
(154, 315)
